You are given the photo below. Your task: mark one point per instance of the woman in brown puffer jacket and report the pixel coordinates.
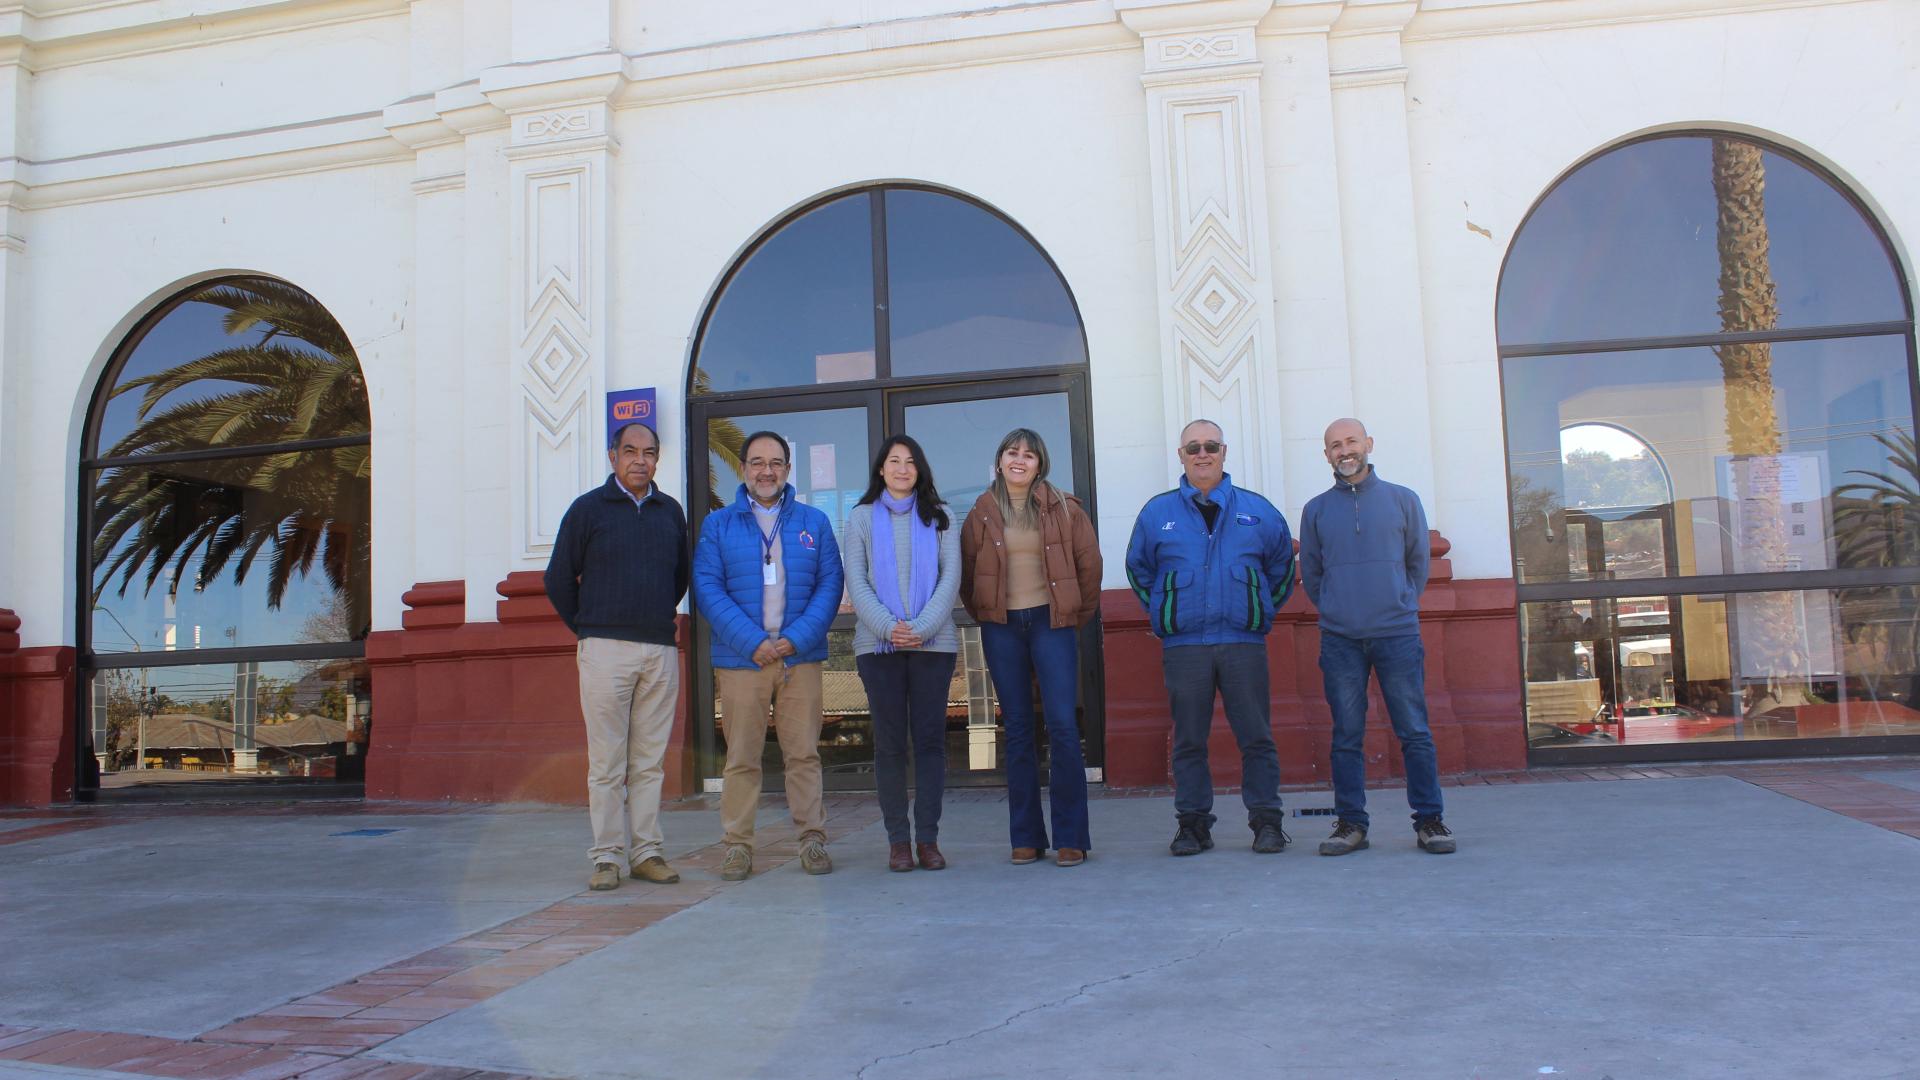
(1030, 575)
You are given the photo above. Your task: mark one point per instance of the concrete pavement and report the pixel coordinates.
(1680, 927)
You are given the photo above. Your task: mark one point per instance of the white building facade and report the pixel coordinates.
(1271, 213)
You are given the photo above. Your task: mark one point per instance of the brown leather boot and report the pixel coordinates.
(930, 857)
(899, 858)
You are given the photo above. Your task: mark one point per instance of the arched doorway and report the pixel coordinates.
(891, 308)
(225, 548)
(1707, 364)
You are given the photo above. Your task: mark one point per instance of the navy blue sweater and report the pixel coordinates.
(1363, 557)
(619, 571)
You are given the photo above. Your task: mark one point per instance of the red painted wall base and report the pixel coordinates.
(1470, 629)
(36, 718)
(485, 712)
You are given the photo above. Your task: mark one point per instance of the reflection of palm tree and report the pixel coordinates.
(1877, 524)
(298, 380)
(723, 442)
(1748, 302)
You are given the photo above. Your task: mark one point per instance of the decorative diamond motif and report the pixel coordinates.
(556, 359)
(1215, 302)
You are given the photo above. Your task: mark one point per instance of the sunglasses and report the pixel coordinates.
(1209, 446)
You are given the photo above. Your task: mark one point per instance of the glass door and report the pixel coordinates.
(833, 437)
(960, 428)
(832, 442)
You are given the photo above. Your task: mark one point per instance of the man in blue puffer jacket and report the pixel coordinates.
(1363, 559)
(1212, 563)
(767, 575)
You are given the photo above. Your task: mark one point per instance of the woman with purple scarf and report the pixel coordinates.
(903, 575)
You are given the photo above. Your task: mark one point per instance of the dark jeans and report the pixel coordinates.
(1015, 651)
(907, 694)
(1401, 664)
(1238, 672)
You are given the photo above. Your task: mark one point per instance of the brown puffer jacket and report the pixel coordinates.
(1070, 549)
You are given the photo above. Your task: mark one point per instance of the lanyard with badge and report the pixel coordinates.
(769, 573)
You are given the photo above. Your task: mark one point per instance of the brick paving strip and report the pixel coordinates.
(321, 1036)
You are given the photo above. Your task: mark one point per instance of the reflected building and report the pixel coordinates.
(296, 383)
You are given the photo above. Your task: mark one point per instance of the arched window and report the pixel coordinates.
(1747, 574)
(894, 308)
(225, 511)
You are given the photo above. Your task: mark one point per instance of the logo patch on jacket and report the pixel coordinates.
(1168, 527)
(806, 539)
(1246, 519)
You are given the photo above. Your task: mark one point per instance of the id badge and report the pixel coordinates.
(769, 574)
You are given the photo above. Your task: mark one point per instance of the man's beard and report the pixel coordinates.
(1351, 469)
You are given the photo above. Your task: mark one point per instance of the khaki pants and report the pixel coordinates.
(794, 696)
(627, 693)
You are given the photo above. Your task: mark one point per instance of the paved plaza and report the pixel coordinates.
(1687, 921)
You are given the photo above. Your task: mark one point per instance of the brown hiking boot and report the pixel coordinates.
(655, 869)
(606, 876)
(900, 857)
(930, 857)
(1433, 836)
(738, 864)
(814, 858)
(1347, 838)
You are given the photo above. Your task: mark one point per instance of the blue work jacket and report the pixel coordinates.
(1210, 588)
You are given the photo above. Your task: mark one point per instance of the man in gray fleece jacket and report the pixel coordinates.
(1363, 562)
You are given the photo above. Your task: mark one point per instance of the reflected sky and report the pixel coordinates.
(187, 333)
(968, 292)
(1627, 247)
(800, 310)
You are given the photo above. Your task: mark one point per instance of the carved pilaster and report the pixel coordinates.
(1210, 226)
(560, 176)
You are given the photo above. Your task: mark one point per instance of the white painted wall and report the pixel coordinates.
(366, 150)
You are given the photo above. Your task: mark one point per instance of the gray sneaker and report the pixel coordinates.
(738, 864)
(606, 876)
(1433, 836)
(1347, 838)
(814, 859)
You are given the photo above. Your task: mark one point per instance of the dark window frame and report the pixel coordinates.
(884, 396)
(1607, 588)
(882, 312)
(87, 660)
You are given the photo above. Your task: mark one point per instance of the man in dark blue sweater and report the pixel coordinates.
(1363, 562)
(618, 571)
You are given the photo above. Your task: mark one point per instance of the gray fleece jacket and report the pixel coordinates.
(1363, 557)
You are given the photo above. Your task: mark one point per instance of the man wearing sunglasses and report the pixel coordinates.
(1363, 559)
(1212, 563)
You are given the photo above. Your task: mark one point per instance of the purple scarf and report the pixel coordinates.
(921, 573)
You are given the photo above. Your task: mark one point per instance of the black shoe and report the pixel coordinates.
(1269, 838)
(1194, 837)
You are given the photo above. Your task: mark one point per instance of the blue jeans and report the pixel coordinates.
(907, 696)
(1401, 664)
(1015, 651)
(1238, 673)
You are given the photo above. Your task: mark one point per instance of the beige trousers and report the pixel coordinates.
(627, 693)
(793, 694)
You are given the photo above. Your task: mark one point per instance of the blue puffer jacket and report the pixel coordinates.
(727, 583)
(1217, 589)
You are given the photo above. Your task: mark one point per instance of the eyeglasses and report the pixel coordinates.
(766, 463)
(1209, 446)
